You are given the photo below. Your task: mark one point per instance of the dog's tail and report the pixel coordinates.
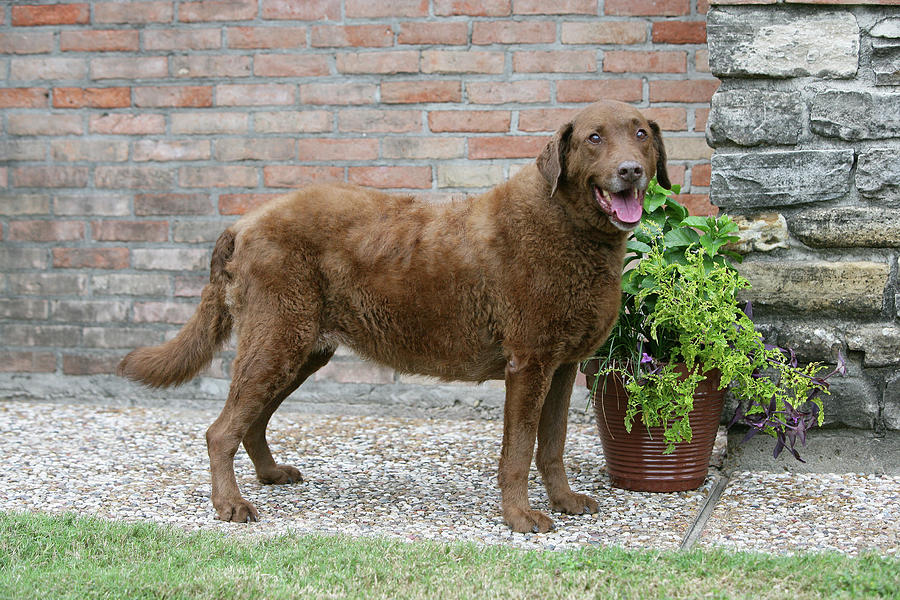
(185, 355)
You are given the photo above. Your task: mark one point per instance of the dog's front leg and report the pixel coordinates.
(527, 382)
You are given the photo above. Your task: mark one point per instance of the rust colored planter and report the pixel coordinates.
(636, 461)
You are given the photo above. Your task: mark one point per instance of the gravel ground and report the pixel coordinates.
(404, 478)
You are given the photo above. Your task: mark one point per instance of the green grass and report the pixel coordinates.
(67, 557)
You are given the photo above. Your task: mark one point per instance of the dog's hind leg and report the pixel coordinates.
(267, 470)
(272, 350)
(552, 439)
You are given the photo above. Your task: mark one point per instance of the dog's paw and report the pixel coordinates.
(524, 520)
(237, 511)
(280, 474)
(574, 504)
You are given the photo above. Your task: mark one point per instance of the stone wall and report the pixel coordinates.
(806, 126)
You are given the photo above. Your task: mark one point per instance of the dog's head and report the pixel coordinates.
(601, 162)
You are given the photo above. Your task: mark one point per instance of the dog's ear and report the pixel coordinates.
(662, 176)
(552, 160)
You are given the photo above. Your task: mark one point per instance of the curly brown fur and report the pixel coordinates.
(519, 284)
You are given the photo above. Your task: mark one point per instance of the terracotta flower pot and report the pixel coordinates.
(635, 460)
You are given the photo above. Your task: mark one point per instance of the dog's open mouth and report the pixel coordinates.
(624, 207)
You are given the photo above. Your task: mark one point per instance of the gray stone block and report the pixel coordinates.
(878, 175)
(751, 117)
(817, 287)
(747, 181)
(846, 226)
(879, 342)
(854, 115)
(775, 42)
(886, 51)
(890, 413)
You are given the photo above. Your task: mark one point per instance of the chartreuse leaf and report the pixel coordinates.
(680, 238)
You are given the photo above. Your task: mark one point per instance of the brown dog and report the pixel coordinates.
(519, 283)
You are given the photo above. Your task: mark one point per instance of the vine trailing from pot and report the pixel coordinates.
(680, 307)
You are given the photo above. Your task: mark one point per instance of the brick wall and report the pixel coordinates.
(807, 134)
(133, 132)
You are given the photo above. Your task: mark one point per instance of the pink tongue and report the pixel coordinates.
(627, 206)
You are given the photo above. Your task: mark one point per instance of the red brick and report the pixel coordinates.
(676, 173)
(216, 10)
(308, 10)
(700, 175)
(90, 149)
(123, 124)
(133, 12)
(700, 117)
(27, 362)
(604, 32)
(54, 176)
(338, 93)
(513, 32)
(697, 204)
(283, 121)
(409, 147)
(165, 150)
(169, 259)
(130, 231)
(647, 8)
(379, 121)
(462, 61)
(679, 32)
(190, 287)
(363, 36)
(355, 371)
(206, 122)
(474, 8)
(367, 9)
(24, 97)
(397, 61)
(266, 37)
(668, 118)
(46, 231)
(238, 204)
(199, 65)
(391, 177)
(72, 97)
(545, 119)
(558, 7)
(696, 90)
(293, 176)
(182, 39)
(261, 94)
(287, 65)
(625, 61)
(90, 364)
(448, 33)
(129, 67)
(555, 61)
(172, 204)
(268, 149)
(701, 60)
(196, 96)
(218, 176)
(98, 41)
(50, 14)
(328, 150)
(44, 124)
(163, 312)
(702, 7)
(469, 120)
(510, 146)
(31, 42)
(415, 92)
(151, 178)
(591, 90)
(502, 92)
(90, 258)
(47, 68)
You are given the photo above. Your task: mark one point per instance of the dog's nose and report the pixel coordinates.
(630, 171)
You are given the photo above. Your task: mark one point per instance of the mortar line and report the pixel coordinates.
(696, 529)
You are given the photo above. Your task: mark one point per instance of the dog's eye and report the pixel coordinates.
(594, 138)
(642, 134)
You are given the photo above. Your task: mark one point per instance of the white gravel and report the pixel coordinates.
(403, 478)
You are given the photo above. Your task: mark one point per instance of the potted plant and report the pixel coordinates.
(681, 340)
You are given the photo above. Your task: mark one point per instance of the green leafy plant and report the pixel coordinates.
(680, 307)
